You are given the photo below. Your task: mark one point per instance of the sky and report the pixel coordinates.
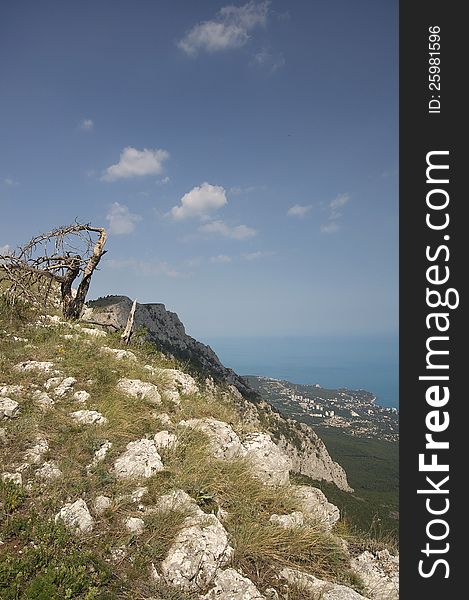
(243, 157)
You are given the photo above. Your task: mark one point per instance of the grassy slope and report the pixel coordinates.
(42, 560)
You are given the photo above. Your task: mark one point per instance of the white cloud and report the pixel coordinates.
(331, 227)
(145, 268)
(237, 190)
(257, 255)
(87, 125)
(221, 259)
(9, 182)
(335, 213)
(6, 249)
(136, 163)
(121, 220)
(298, 210)
(238, 232)
(268, 60)
(200, 202)
(337, 204)
(228, 30)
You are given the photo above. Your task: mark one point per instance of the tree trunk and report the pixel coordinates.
(75, 306)
(130, 322)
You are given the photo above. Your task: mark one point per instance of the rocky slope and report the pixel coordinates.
(164, 329)
(125, 477)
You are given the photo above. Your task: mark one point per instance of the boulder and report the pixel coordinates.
(196, 554)
(76, 516)
(119, 354)
(48, 471)
(224, 442)
(101, 504)
(294, 519)
(98, 333)
(380, 574)
(81, 396)
(142, 390)
(179, 500)
(88, 417)
(141, 459)
(270, 464)
(164, 439)
(15, 478)
(34, 454)
(34, 365)
(318, 587)
(315, 506)
(42, 399)
(100, 454)
(134, 525)
(64, 386)
(8, 408)
(231, 585)
(10, 390)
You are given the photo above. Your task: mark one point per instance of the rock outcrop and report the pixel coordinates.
(380, 574)
(318, 587)
(140, 460)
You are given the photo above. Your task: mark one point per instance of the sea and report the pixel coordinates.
(357, 362)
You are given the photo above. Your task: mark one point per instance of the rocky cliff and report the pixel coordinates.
(165, 330)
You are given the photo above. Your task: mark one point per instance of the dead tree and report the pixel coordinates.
(51, 263)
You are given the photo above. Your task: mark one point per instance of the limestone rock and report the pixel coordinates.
(196, 554)
(294, 519)
(380, 574)
(53, 382)
(10, 390)
(8, 408)
(76, 516)
(100, 454)
(101, 504)
(224, 442)
(88, 417)
(316, 506)
(164, 419)
(179, 500)
(142, 390)
(97, 333)
(270, 464)
(64, 386)
(42, 399)
(323, 589)
(309, 455)
(119, 354)
(154, 575)
(164, 439)
(15, 478)
(134, 525)
(34, 454)
(34, 365)
(141, 459)
(81, 396)
(231, 585)
(48, 471)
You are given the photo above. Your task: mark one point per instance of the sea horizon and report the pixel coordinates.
(355, 362)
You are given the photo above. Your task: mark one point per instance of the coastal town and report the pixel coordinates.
(354, 411)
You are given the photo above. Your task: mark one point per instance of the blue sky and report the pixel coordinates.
(243, 157)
